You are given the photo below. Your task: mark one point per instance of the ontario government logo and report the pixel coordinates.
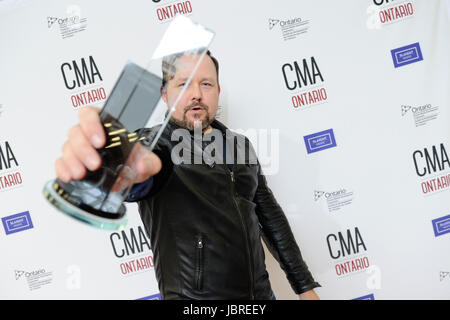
(35, 279)
(422, 114)
(290, 28)
(70, 25)
(444, 275)
(335, 200)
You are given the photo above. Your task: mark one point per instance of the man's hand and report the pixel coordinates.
(79, 151)
(308, 295)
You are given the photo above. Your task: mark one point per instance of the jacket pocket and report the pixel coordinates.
(199, 247)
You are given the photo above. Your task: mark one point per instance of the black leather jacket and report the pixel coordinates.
(205, 223)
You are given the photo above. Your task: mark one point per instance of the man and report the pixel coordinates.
(205, 220)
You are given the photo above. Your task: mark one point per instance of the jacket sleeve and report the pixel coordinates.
(140, 190)
(155, 183)
(280, 241)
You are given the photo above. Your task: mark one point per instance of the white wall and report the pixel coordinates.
(372, 161)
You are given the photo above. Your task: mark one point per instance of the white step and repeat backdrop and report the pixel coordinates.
(347, 103)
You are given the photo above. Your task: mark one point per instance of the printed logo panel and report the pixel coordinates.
(441, 226)
(407, 55)
(320, 141)
(17, 222)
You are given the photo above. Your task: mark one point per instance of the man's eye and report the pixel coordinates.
(182, 84)
(206, 84)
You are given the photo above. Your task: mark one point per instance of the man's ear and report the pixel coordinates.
(164, 95)
(219, 89)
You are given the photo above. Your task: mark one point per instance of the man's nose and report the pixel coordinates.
(195, 91)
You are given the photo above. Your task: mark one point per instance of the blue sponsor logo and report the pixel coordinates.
(152, 297)
(17, 222)
(368, 297)
(441, 225)
(320, 141)
(406, 55)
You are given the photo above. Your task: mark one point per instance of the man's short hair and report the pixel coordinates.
(168, 68)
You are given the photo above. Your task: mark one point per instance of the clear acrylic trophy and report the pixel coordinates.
(98, 198)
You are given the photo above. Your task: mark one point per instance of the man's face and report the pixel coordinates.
(198, 105)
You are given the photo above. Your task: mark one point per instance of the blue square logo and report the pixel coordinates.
(406, 55)
(367, 297)
(441, 226)
(320, 141)
(152, 297)
(17, 222)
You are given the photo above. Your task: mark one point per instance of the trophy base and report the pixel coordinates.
(91, 216)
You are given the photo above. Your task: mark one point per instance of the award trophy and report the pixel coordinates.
(98, 198)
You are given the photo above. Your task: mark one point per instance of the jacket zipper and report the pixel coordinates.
(233, 179)
(199, 264)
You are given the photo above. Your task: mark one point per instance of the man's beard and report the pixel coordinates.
(191, 126)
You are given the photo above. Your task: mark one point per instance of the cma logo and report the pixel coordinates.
(125, 244)
(7, 157)
(297, 76)
(341, 245)
(427, 162)
(77, 74)
(381, 2)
